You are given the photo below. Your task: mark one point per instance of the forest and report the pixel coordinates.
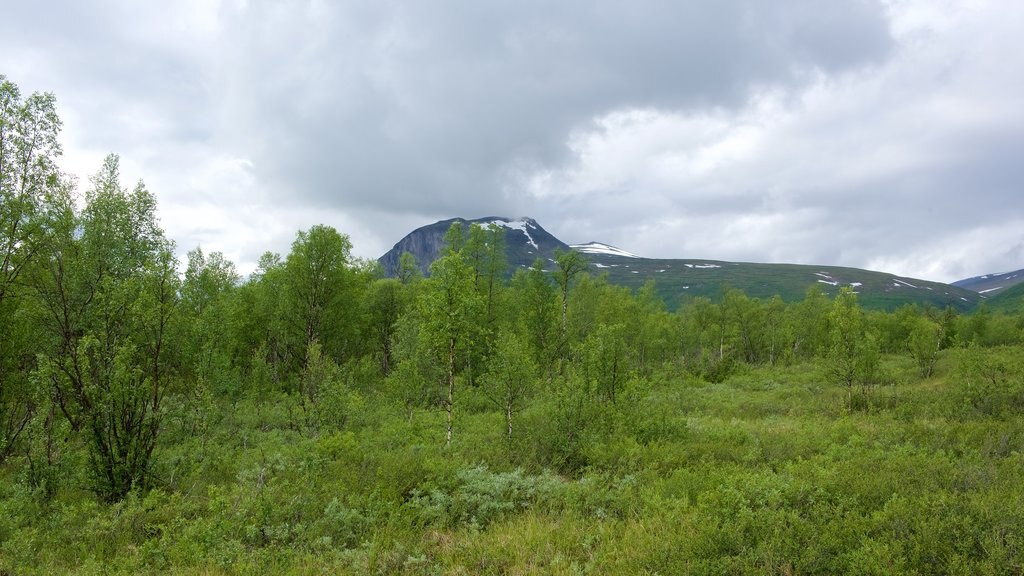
(313, 417)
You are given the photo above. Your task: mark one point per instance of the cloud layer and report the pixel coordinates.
(872, 134)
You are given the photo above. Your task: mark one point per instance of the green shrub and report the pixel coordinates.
(479, 497)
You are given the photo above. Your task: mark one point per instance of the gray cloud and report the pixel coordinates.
(426, 107)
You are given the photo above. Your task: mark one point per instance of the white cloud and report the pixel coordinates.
(997, 248)
(859, 169)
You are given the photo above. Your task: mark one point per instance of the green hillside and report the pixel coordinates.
(679, 280)
(1011, 300)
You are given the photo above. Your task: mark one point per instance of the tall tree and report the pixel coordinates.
(210, 282)
(492, 270)
(568, 266)
(510, 376)
(408, 269)
(318, 279)
(259, 324)
(697, 318)
(109, 294)
(384, 303)
(32, 193)
(450, 307)
(207, 279)
(654, 334)
(484, 252)
(746, 322)
(924, 343)
(536, 306)
(778, 330)
(29, 178)
(853, 356)
(605, 360)
(811, 324)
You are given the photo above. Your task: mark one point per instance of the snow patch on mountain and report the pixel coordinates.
(991, 281)
(521, 224)
(603, 249)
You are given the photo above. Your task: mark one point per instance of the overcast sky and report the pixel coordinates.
(886, 135)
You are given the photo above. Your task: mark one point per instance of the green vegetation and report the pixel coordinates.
(682, 280)
(316, 417)
(1010, 300)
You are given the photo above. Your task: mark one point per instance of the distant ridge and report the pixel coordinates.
(678, 280)
(992, 284)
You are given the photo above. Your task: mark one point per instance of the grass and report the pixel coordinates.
(764, 473)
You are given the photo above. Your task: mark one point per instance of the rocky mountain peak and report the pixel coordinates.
(525, 241)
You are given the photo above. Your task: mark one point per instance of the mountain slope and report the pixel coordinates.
(992, 284)
(677, 280)
(525, 241)
(1009, 300)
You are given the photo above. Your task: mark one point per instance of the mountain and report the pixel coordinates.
(677, 280)
(525, 241)
(992, 284)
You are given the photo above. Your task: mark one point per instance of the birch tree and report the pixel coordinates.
(511, 376)
(450, 306)
(109, 293)
(32, 191)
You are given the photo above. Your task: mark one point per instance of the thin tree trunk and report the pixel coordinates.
(565, 309)
(451, 389)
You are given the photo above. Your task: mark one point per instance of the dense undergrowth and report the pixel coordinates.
(765, 472)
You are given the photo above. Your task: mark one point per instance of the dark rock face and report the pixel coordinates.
(425, 244)
(525, 241)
